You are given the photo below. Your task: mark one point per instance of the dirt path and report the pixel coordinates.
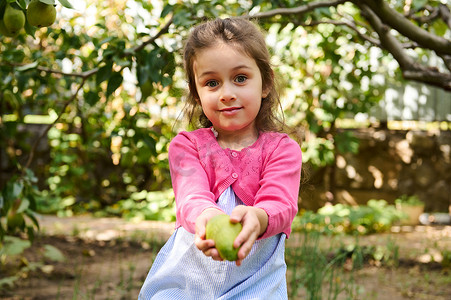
(109, 259)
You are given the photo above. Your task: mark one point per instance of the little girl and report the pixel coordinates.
(237, 163)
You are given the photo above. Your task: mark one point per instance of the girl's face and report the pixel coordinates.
(229, 85)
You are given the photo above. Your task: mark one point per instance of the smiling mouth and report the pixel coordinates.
(229, 109)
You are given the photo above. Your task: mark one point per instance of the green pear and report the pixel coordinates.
(15, 220)
(40, 14)
(4, 31)
(223, 232)
(14, 19)
(8, 96)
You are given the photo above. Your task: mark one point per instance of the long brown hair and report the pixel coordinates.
(248, 36)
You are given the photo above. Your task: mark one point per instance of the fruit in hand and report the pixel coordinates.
(223, 232)
(40, 14)
(13, 19)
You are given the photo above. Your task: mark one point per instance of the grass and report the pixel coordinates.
(315, 273)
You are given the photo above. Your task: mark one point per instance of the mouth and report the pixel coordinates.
(230, 109)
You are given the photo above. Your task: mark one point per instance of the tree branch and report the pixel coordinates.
(447, 60)
(347, 24)
(44, 133)
(398, 22)
(410, 69)
(152, 39)
(434, 14)
(82, 75)
(388, 41)
(296, 10)
(445, 14)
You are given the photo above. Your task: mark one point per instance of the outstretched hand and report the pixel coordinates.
(206, 246)
(254, 221)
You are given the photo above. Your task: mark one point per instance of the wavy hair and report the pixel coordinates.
(249, 38)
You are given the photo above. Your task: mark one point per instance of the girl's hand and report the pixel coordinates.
(254, 221)
(206, 246)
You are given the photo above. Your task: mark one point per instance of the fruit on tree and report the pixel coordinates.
(13, 19)
(15, 220)
(8, 96)
(40, 14)
(4, 31)
(223, 232)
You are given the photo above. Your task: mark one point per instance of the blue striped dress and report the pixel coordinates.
(181, 271)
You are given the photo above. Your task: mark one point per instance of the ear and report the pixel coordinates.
(266, 91)
(268, 86)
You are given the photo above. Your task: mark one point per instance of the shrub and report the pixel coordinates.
(377, 216)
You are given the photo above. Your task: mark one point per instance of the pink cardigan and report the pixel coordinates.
(265, 175)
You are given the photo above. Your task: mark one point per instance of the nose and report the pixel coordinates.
(227, 92)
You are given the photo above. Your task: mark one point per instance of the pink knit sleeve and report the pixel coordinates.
(189, 181)
(279, 187)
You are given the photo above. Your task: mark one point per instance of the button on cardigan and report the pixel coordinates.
(265, 175)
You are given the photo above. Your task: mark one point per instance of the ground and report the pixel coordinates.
(110, 258)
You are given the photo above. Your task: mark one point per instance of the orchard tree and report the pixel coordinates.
(107, 75)
(409, 30)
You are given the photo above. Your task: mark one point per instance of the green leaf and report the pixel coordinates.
(53, 253)
(30, 176)
(9, 281)
(104, 73)
(346, 142)
(24, 204)
(417, 4)
(22, 4)
(166, 10)
(151, 143)
(51, 2)
(440, 28)
(92, 98)
(114, 82)
(32, 216)
(27, 66)
(17, 189)
(65, 3)
(13, 246)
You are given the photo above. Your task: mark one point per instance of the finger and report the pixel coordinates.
(245, 235)
(246, 248)
(202, 244)
(237, 214)
(213, 253)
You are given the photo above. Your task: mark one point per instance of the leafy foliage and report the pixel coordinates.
(375, 217)
(18, 206)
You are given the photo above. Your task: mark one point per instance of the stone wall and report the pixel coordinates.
(389, 164)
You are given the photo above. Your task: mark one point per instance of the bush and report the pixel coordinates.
(377, 216)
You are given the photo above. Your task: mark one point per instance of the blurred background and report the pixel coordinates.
(89, 104)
